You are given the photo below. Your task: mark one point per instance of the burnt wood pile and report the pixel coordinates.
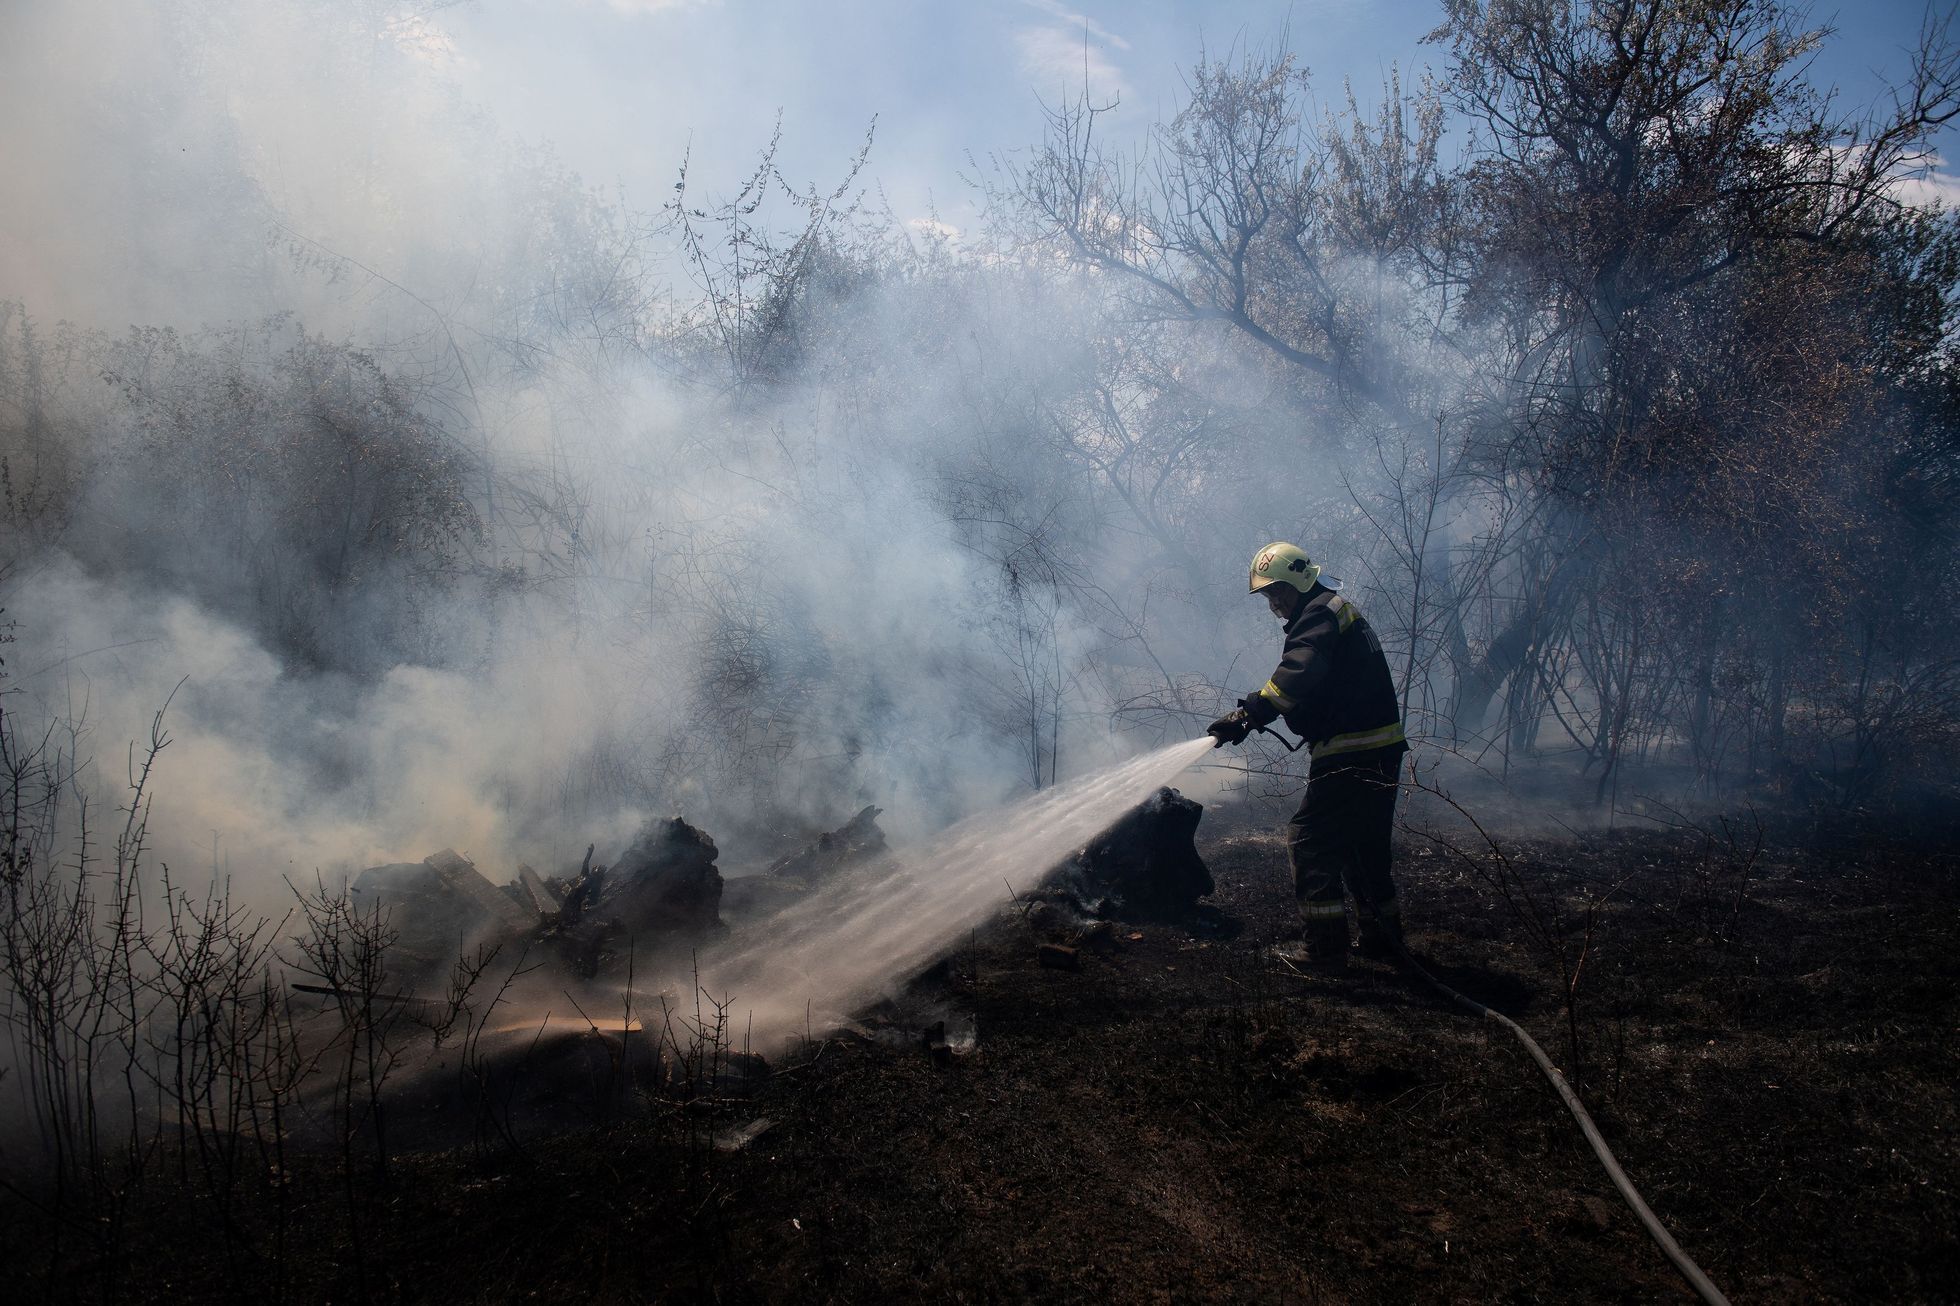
(664, 897)
(857, 843)
(662, 894)
(660, 898)
(858, 840)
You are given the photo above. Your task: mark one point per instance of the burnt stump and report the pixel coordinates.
(1145, 866)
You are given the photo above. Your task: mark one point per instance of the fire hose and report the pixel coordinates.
(1698, 1280)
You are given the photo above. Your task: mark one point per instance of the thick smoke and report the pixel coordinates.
(477, 507)
(460, 528)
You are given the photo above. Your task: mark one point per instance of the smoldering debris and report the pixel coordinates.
(934, 1012)
(635, 934)
(466, 884)
(434, 904)
(856, 844)
(661, 896)
(1145, 867)
(664, 897)
(545, 900)
(666, 881)
(855, 841)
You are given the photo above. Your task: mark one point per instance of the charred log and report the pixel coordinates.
(857, 840)
(790, 880)
(665, 882)
(663, 894)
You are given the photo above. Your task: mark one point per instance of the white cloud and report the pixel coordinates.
(1921, 179)
(1077, 22)
(1930, 187)
(1057, 59)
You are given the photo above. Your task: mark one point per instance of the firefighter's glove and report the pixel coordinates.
(1232, 728)
(1259, 710)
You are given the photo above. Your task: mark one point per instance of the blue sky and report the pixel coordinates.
(149, 138)
(623, 87)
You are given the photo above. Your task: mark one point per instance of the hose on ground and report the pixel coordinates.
(1700, 1282)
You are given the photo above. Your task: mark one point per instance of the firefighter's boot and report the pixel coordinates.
(1317, 952)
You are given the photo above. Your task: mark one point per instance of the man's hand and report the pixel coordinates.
(1232, 728)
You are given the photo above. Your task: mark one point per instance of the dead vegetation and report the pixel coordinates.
(1636, 428)
(1067, 1107)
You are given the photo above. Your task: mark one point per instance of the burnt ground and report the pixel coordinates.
(1766, 1040)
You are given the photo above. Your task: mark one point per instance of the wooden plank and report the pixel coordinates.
(540, 892)
(462, 878)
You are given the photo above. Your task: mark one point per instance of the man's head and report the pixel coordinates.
(1284, 574)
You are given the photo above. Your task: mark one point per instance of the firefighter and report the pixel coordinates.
(1334, 690)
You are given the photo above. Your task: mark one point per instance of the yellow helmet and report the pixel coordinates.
(1282, 563)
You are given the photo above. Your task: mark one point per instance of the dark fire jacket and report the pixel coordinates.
(1333, 685)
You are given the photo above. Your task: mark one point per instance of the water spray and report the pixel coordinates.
(837, 951)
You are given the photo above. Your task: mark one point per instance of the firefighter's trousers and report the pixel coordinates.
(1340, 837)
